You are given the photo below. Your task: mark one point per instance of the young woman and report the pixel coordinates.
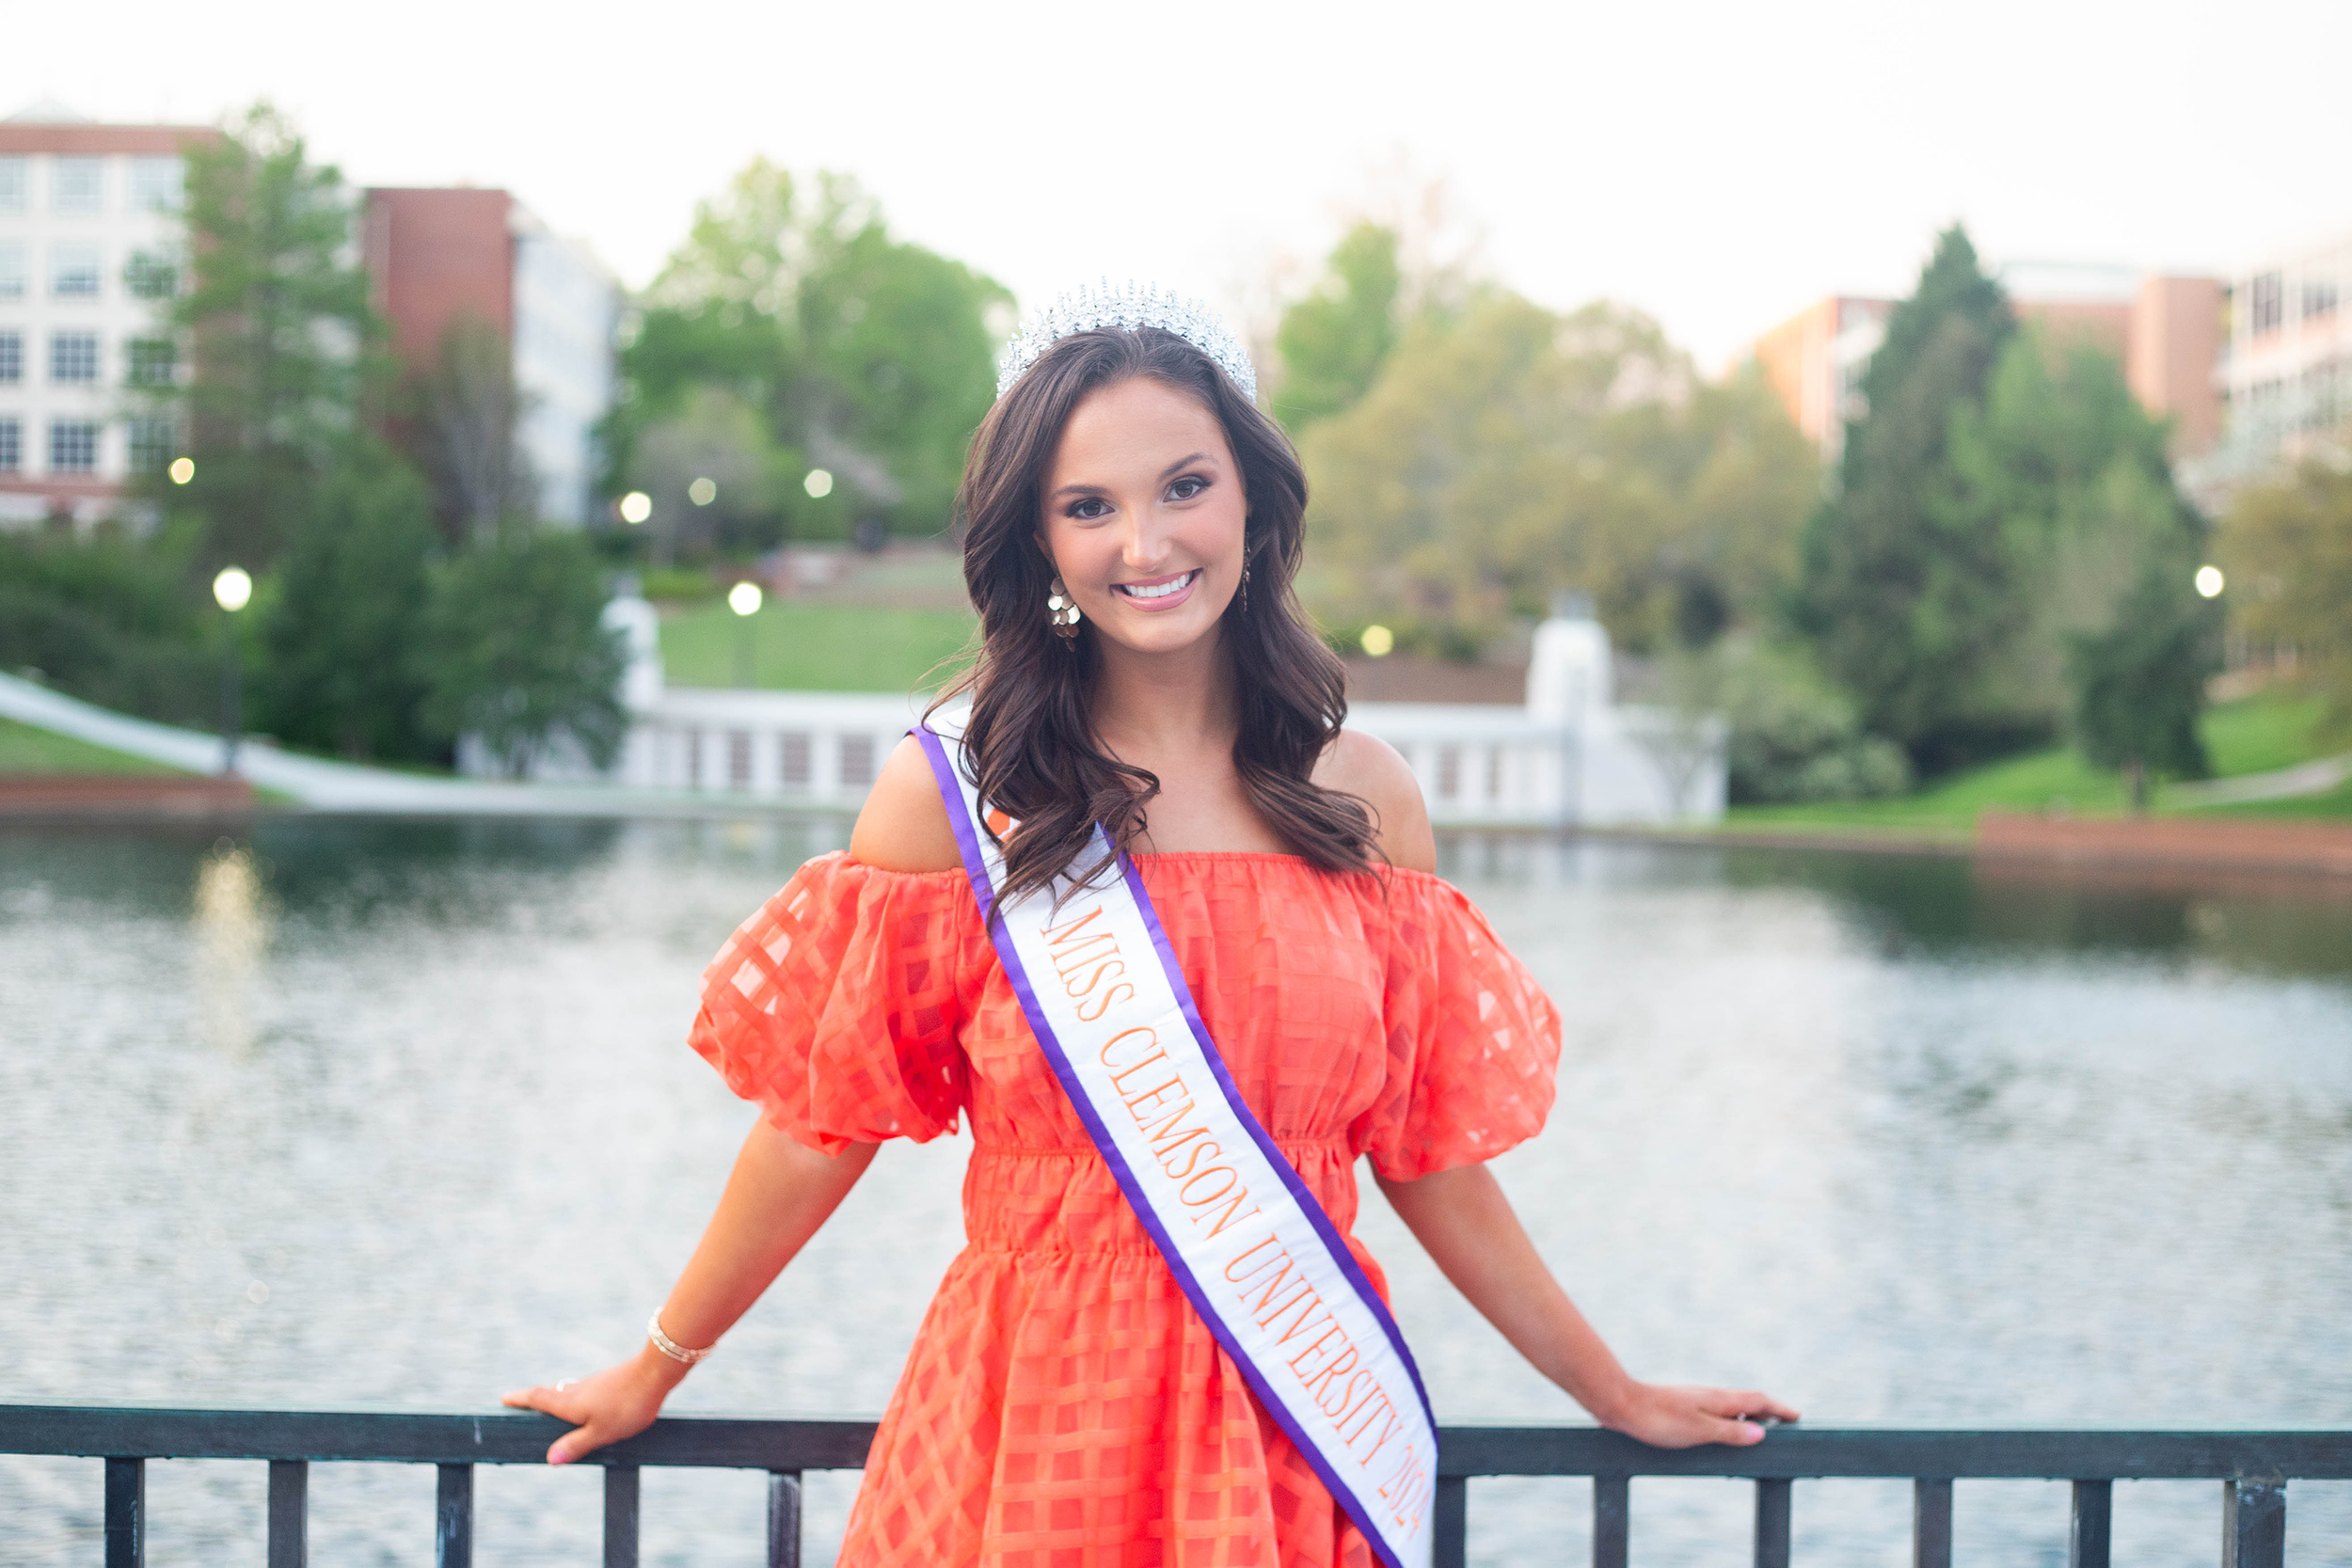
(1133, 524)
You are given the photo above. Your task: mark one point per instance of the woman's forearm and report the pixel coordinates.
(781, 1191)
(1470, 1231)
(779, 1194)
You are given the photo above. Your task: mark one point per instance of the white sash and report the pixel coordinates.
(1261, 1262)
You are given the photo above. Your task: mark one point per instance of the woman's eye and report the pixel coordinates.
(1087, 508)
(1186, 487)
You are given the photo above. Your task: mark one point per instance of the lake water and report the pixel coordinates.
(353, 1112)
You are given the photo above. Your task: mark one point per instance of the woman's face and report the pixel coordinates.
(1144, 515)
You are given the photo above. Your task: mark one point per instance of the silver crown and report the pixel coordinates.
(1125, 308)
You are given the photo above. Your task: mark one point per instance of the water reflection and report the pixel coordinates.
(231, 929)
(400, 1113)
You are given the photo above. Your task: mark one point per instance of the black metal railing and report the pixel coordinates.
(2253, 1467)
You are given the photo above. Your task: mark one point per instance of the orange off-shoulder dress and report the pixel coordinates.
(1063, 1406)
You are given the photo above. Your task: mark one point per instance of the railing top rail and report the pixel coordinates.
(754, 1442)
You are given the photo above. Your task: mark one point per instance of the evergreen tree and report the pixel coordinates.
(281, 338)
(2140, 683)
(1906, 593)
(2070, 474)
(343, 639)
(1333, 342)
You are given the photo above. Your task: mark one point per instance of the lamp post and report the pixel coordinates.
(231, 590)
(744, 598)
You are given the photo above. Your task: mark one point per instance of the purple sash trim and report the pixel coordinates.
(1308, 1203)
(984, 893)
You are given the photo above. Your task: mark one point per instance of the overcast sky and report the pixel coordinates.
(1716, 165)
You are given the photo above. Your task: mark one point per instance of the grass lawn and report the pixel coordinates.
(2255, 734)
(25, 750)
(799, 646)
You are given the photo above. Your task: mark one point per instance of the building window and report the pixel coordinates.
(11, 357)
(2266, 303)
(2319, 297)
(156, 184)
(72, 446)
(73, 356)
(74, 271)
(11, 446)
(15, 178)
(151, 362)
(152, 274)
(857, 759)
(12, 271)
(152, 444)
(80, 184)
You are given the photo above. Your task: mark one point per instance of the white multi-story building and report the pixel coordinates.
(2286, 367)
(89, 249)
(568, 307)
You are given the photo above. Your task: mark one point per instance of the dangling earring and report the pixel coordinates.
(1061, 613)
(1244, 590)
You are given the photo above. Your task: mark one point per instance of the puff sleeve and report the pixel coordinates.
(836, 1004)
(1473, 1042)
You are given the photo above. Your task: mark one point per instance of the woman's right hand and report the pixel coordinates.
(604, 1407)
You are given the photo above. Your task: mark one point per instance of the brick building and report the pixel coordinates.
(2166, 332)
(443, 257)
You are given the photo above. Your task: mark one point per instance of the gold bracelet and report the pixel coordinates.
(670, 1347)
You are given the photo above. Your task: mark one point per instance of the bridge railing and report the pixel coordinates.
(2252, 1468)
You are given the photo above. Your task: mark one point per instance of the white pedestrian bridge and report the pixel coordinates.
(1569, 756)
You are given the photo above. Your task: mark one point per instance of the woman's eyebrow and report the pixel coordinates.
(1083, 488)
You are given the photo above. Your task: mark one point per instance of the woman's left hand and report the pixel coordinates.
(1668, 1416)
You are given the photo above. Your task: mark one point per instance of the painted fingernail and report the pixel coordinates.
(1755, 1432)
(559, 1459)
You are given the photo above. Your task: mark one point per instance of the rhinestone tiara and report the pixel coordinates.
(1127, 307)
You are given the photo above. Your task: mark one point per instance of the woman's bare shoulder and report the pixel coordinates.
(1370, 768)
(903, 826)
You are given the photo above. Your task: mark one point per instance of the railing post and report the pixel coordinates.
(1931, 1522)
(784, 1519)
(453, 1518)
(126, 1514)
(1773, 1498)
(288, 1513)
(1449, 1528)
(2254, 1523)
(2092, 1537)
(1612, 1520)
(620, 1516)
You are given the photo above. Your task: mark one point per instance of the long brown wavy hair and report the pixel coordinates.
(1030, 737)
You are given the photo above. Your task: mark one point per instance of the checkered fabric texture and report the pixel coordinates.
(1063, 1406)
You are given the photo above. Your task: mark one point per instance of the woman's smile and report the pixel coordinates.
(1157, 593)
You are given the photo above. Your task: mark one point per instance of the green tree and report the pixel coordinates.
(2064, 470)
(517, 652)
(2287, 545)
(113, 621)
(2139, 682)
(343, 638)
(1332, 344)
(281, 338)
(1507, 453)
(866, 355)
(1907, 594)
